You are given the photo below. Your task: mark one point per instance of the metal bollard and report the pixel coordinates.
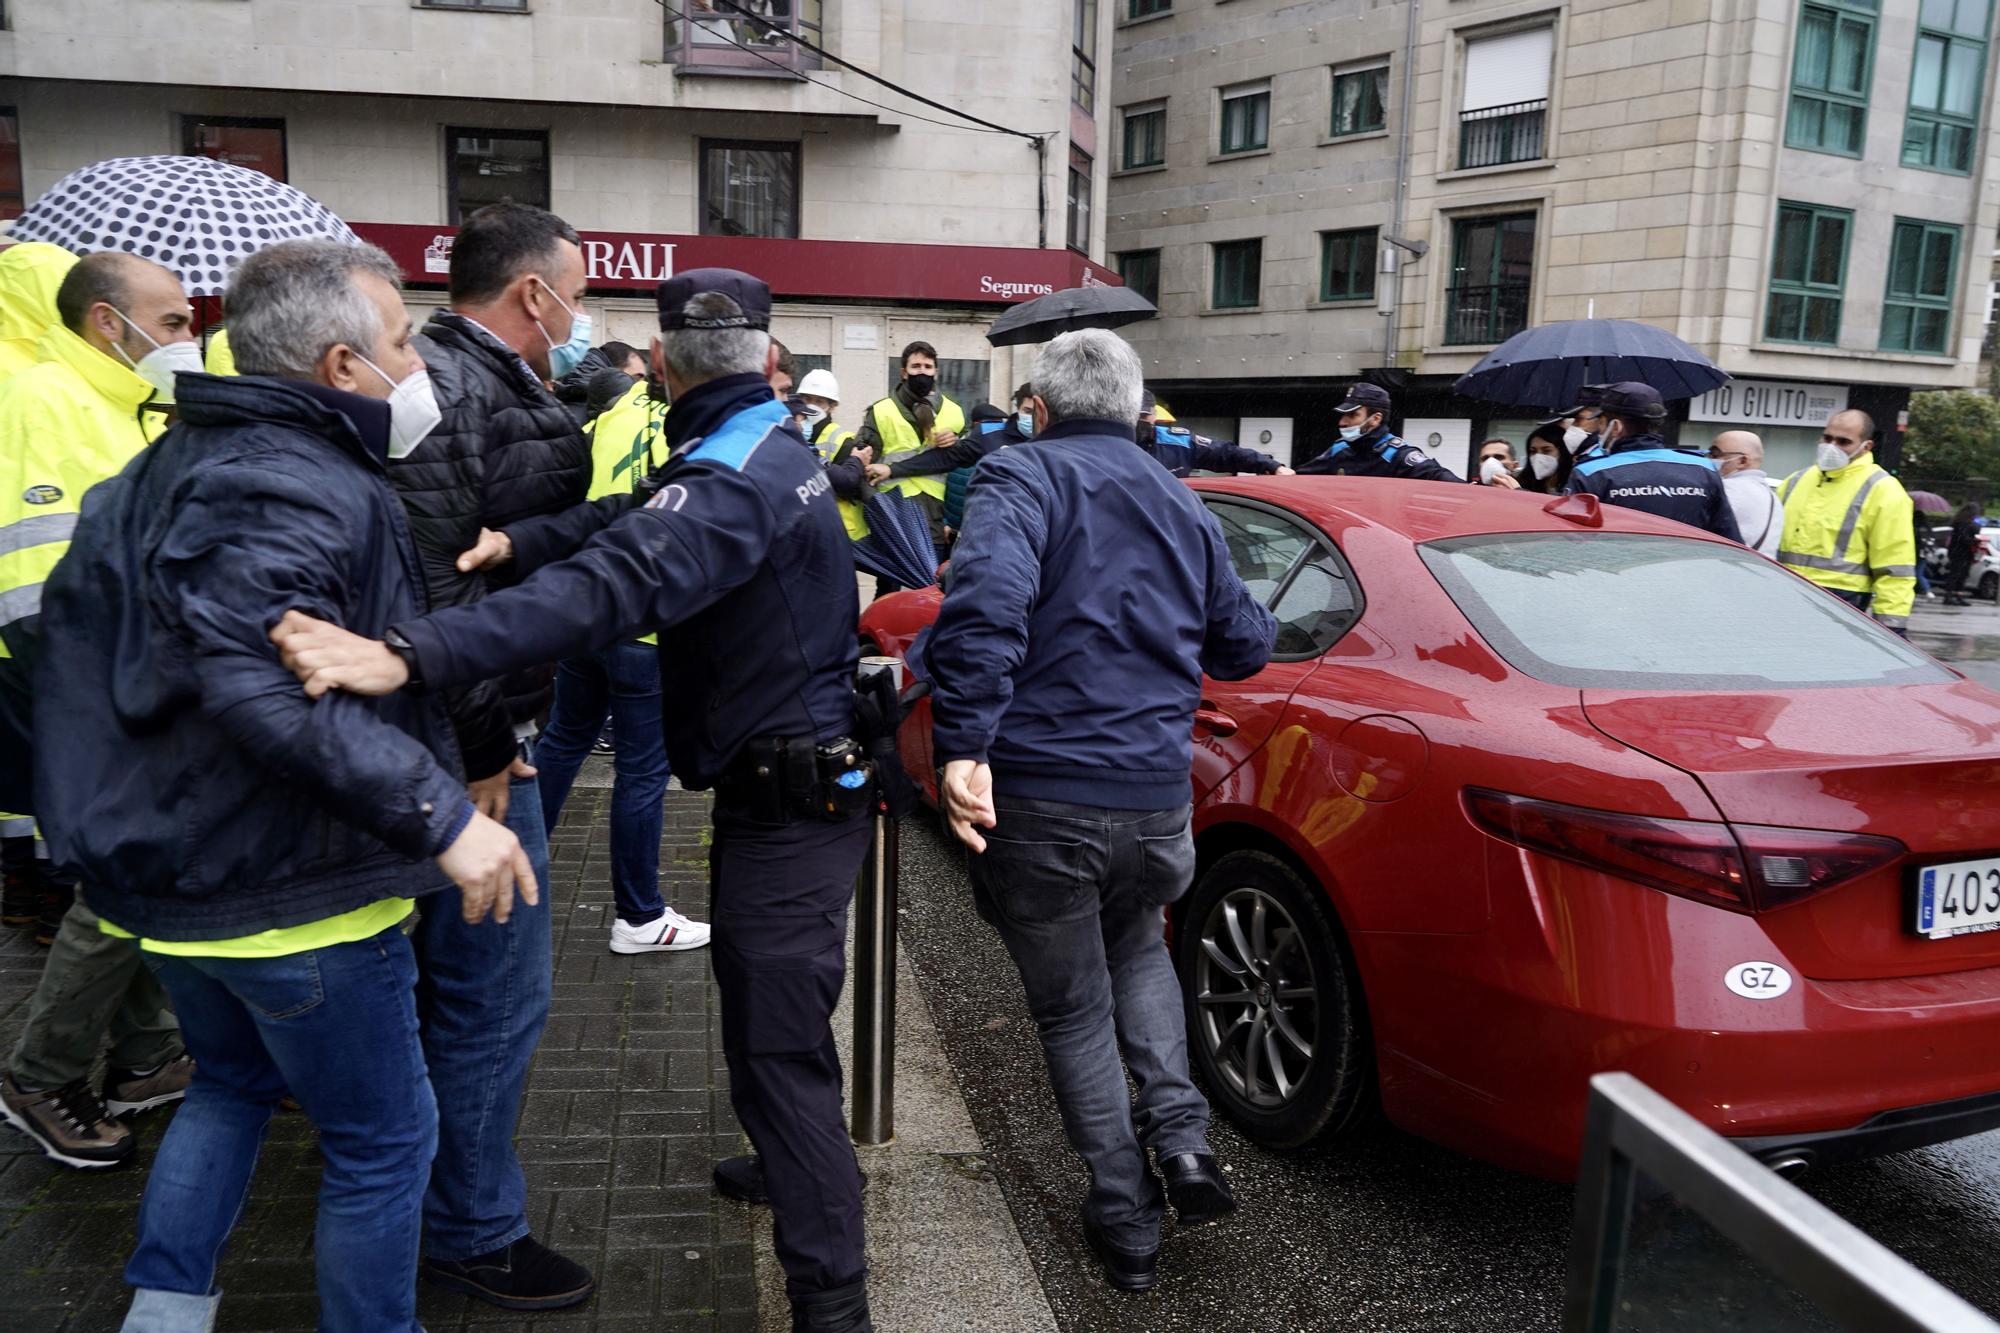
(874, 1121)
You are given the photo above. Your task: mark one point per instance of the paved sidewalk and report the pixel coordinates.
(627, 1108)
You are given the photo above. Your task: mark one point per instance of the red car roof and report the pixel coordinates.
(1429, 510)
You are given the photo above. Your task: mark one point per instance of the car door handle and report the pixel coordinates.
(1213, 719)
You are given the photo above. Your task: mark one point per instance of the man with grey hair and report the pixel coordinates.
(1090, 591)
(167, 724)
(741, 552)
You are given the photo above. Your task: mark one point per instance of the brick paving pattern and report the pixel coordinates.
(627, 1108)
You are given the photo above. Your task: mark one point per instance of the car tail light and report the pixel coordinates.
(1744, 868)
(1788, 865)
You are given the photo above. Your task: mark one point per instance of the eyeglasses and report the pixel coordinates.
(1717, 453)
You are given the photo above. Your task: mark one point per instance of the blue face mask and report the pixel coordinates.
(1025, 423)
(567, 356)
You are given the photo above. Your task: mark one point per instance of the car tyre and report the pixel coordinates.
(1989, 586)
(1276, 1024)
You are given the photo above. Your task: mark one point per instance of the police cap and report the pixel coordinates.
(751, 295)
(1371, 396)
(1630, 398)
(1587, 395)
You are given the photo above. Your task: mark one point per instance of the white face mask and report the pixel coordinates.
(812, 416)
(1490, 468)
(159, 366)
(1832, 458)
(1544, 465)
(1574, 438)
(413, 409)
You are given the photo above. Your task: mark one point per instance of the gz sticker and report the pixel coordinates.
(42, 495)
(1758, 981)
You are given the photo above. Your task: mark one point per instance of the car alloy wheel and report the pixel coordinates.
(1253, 987)
(1276, 1026)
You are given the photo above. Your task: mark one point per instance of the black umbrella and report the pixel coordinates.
(1545, 366)
(1066, 311)
(898, 545)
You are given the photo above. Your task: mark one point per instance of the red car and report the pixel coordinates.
(1531, 791)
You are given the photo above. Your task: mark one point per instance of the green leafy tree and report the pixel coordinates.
(1953, 435)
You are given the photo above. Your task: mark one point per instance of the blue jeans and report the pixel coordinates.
(1077, 893)
(338, 1027)
(483, 995)
(624, 682)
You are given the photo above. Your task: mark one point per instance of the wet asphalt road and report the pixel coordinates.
(1385, 1231)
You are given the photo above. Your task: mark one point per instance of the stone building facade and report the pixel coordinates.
(683, 124)
(1799, 188)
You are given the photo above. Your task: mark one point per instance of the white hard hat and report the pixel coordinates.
(820, 384)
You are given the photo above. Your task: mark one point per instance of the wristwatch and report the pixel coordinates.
(403, 648)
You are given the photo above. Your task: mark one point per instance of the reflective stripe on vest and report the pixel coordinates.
(832, 438)
(1838, 563)
(900, 437)
(36, 530)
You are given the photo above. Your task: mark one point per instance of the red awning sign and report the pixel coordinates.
(853, 270)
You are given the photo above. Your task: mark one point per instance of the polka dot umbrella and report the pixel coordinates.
(193, 215)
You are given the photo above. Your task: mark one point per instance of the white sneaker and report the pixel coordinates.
(670, 933)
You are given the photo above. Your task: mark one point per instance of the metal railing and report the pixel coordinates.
(1636, 1142)
(873, 1118)
(722, 38)
(1496, 135)
(1485, 314)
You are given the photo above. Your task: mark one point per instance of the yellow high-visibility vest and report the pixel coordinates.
(627, 441)
(67, 422)
(900, 437)
(828, 441)
(1853, 530)
(30, 273)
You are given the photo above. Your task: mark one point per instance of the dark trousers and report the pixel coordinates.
(1077, 894)
(779, 896)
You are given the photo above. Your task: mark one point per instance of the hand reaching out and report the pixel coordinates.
(877, 473)
(326, 657)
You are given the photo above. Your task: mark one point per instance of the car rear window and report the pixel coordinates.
(1619, 611)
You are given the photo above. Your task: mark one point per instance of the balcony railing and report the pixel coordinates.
(718, 39)
(1500, 134)
(1485, 314)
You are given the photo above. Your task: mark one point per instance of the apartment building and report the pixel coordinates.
(1321, 191)
(672, 133)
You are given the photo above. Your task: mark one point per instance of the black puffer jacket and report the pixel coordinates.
(506, 450)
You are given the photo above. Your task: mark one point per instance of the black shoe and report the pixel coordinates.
(20, 898)
(56, 901)
(841, 1310)
(742, 1179)
(1126, 1270)
(1196, 1188)
(526, 1275)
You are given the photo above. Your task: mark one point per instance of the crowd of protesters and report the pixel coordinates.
(293, 702)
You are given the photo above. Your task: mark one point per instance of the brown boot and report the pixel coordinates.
(69, 1124)
(129, 1091)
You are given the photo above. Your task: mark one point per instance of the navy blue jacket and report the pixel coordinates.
(1377, 454)
(991, 435)
(1089, 593)
(1181, 451)
(1643, 473)
(181, 770)
(741, 550)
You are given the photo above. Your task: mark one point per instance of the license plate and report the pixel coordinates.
(1958, 899)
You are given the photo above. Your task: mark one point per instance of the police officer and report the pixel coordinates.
(1577, 429)
(1639, 471)
(1181, 451)
(1367, 448)
(741, 553)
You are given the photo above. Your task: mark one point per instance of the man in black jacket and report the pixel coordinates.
(262, 848)
(506, 450)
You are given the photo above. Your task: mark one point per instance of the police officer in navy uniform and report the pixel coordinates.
(739, 557)
(1638, 470)
(1181, 451)
(1367, 448)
